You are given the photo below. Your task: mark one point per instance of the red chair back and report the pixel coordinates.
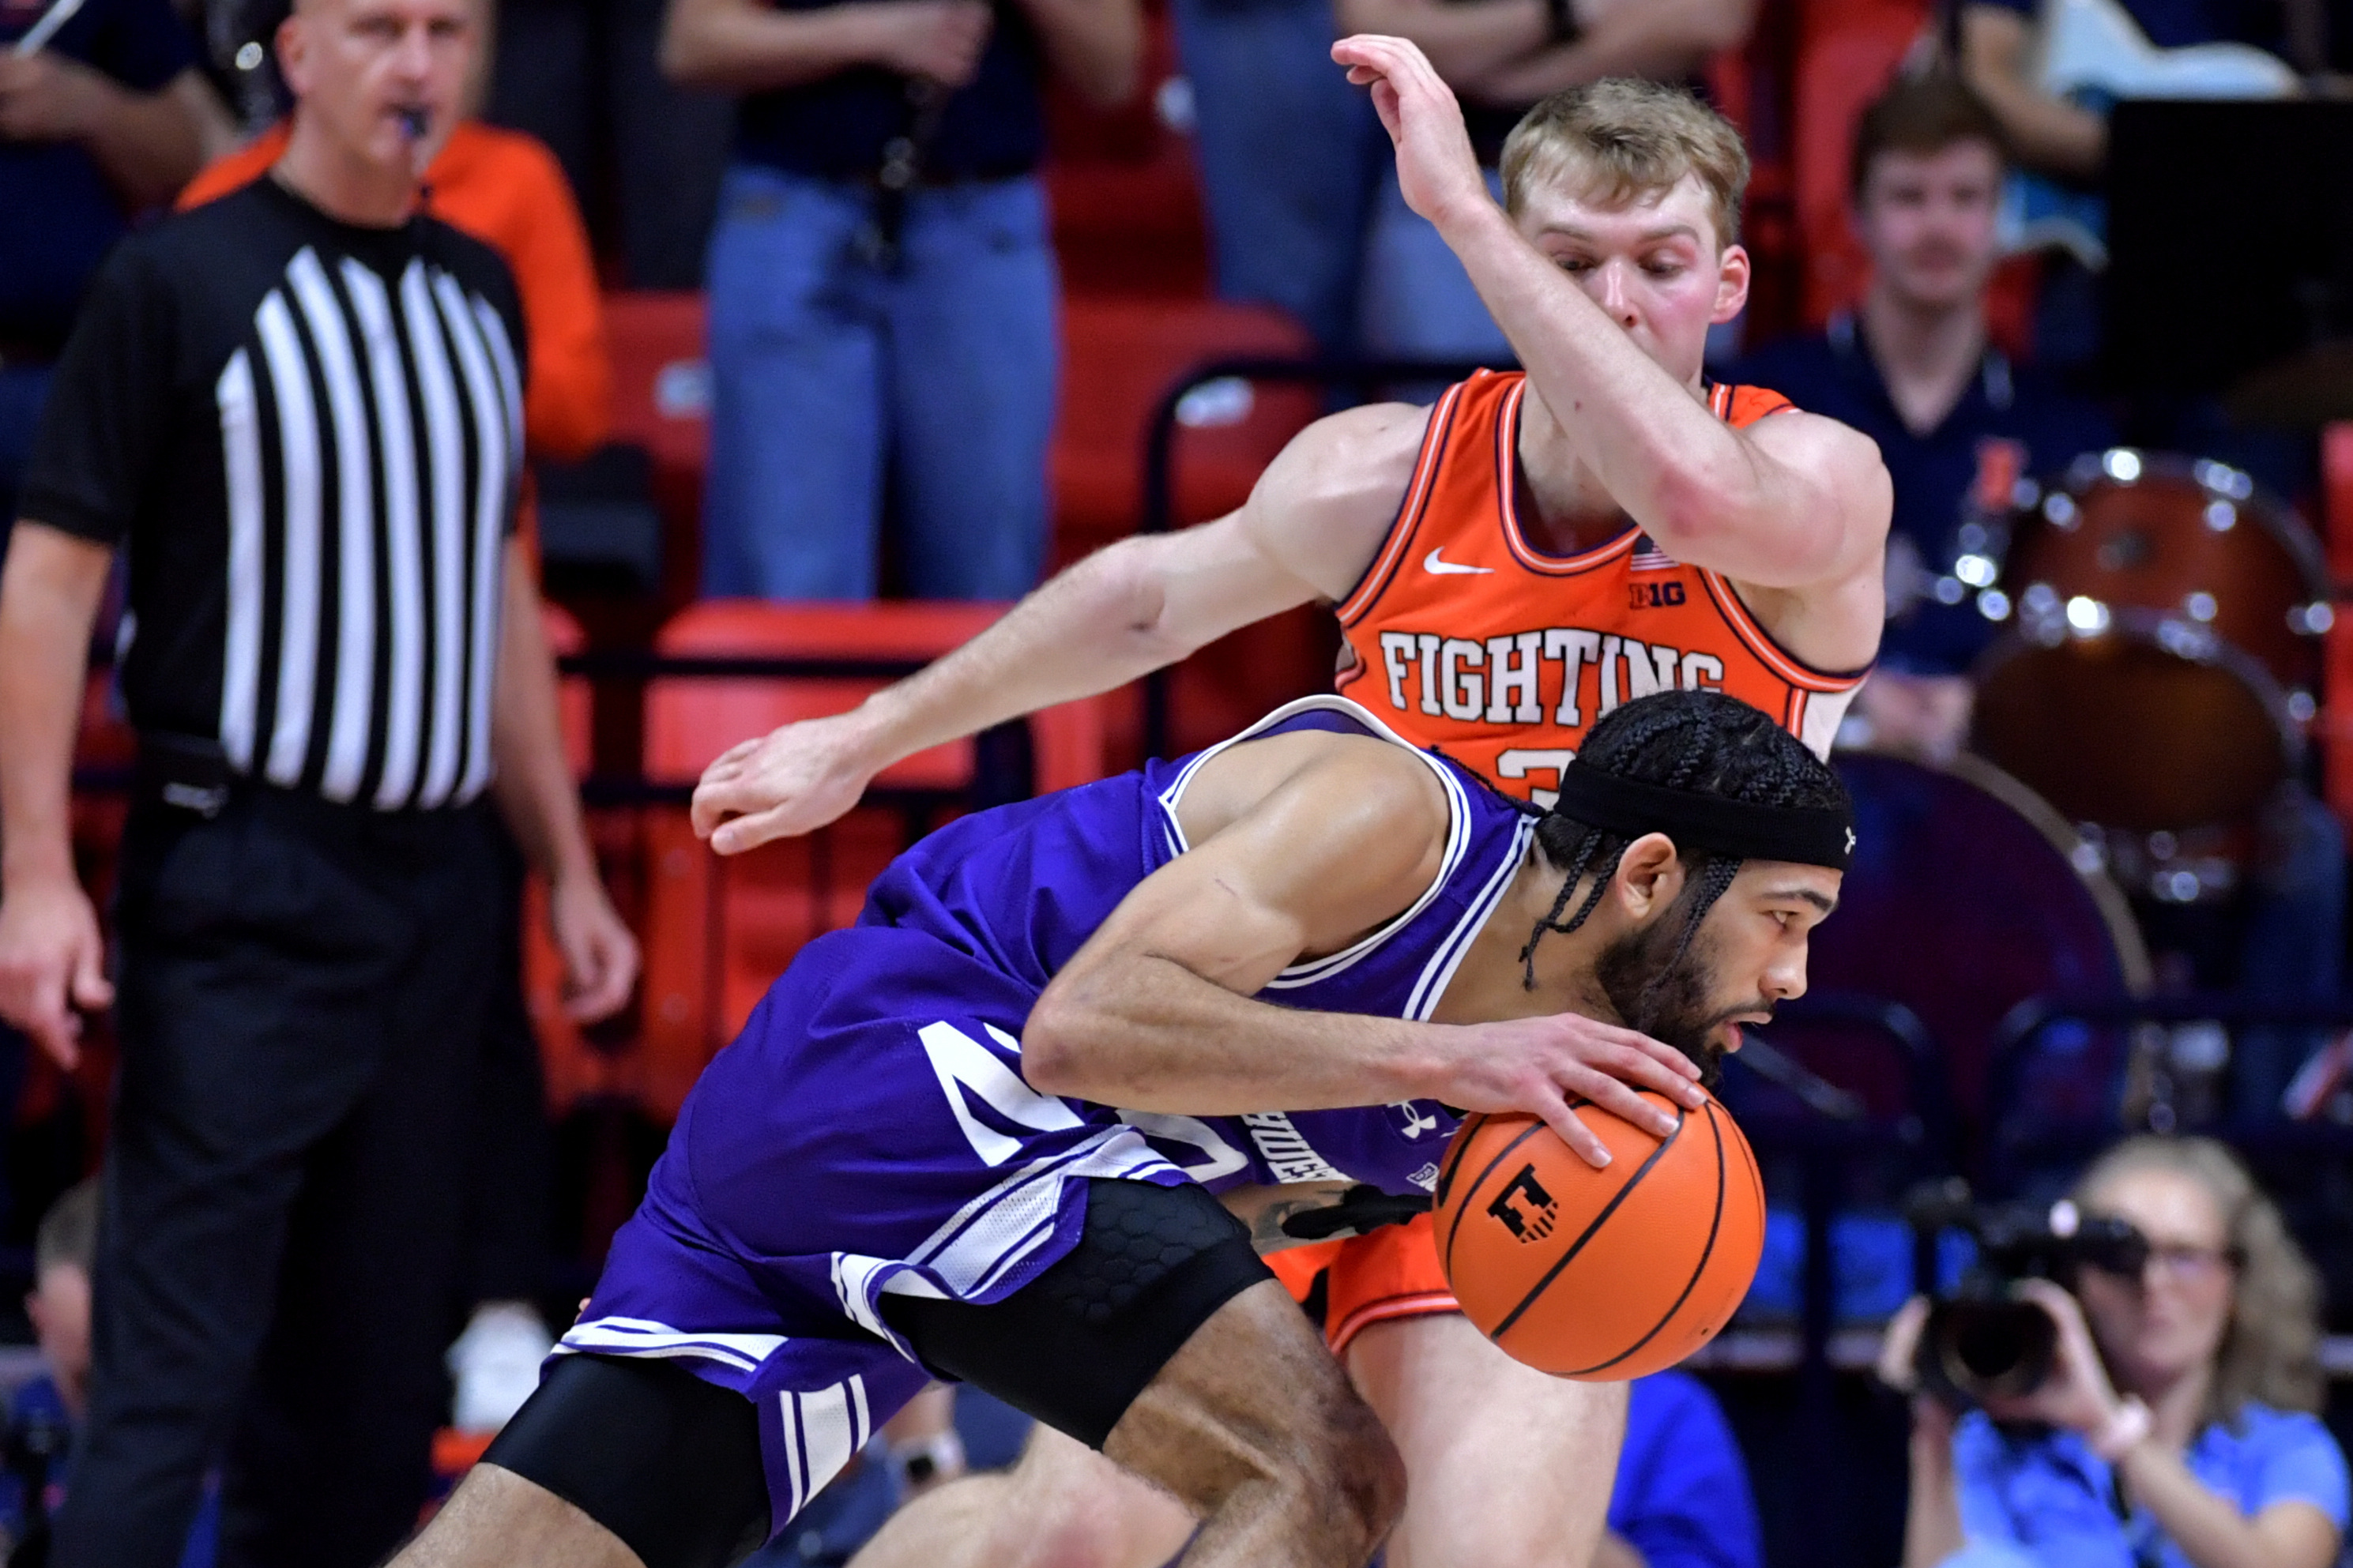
(719, 933)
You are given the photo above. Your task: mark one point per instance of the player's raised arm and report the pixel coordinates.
(1794, 502)
(1321, 840)
(1309, 527)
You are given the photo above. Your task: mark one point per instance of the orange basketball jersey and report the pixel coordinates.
(1465, 636)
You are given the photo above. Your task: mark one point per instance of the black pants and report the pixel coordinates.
(302, 999)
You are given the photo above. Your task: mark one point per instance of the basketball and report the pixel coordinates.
(1603, 1275)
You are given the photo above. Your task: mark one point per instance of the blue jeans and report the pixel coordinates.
(1290, 153)
(1418, 303)
(830, 377)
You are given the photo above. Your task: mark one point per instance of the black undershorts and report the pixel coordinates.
(671, 1464)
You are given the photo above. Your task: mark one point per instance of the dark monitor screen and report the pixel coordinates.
(2230, 238)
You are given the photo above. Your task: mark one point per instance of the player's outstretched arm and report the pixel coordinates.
(1301, 844)
(1796, 501)
(1310, 527)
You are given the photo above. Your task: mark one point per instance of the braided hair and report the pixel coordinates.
(1703, 742)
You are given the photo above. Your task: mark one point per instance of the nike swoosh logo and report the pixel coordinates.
(1438, 568)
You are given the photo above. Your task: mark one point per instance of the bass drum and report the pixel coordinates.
(2166, 645)
(1967, 896)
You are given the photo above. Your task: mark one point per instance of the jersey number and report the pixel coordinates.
(964, 1065)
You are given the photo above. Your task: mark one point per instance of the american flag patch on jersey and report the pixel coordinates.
(1649, 557)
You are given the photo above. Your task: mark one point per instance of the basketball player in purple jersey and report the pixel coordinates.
(985, 1133)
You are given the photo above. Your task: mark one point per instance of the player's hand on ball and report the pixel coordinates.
(1539, 1065)
(791, 781)
(1437, 170)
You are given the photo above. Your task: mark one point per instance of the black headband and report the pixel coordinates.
(1803, 834)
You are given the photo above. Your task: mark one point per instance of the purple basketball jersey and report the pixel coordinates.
(869, 1132)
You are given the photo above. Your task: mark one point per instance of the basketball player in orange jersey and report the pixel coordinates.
(1507, 566)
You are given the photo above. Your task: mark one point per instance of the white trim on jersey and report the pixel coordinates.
(1458, 829)
(823, 1430)
(1438, 972)
(643, 1337)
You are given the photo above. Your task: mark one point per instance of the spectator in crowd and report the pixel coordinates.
(301, 407)
(585, 77)
(1681, 1497)
(2057, 129)
(505, 189)
(882, 292)
(1500, 56)
(45, 1412)
(1291, 157)
(102, 122)
(1958, 423)
(2178, 1428)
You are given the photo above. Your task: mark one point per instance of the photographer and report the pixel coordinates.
(2175, 1427)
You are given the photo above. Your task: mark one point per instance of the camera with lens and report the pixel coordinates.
(1982, 1341)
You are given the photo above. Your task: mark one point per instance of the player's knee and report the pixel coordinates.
(1361, 1473)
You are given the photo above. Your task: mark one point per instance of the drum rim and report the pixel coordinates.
(2275, 515)
(2150, 628)
(2116, 910)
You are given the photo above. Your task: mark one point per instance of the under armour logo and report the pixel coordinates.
(1416, 1123)
(1533, 1226)
(1850, 840)
(1437, 566)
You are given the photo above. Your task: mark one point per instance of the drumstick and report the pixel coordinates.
(37, 36)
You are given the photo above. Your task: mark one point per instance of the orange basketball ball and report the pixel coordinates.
(1602, 1275)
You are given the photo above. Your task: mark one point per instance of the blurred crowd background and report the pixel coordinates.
(845, 332)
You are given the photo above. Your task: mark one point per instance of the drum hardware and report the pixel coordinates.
(2159, 674)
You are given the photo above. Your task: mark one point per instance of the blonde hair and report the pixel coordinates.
(1620, 139)
(2270, 1352)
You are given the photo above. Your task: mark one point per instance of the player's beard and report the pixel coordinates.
(1667, 997)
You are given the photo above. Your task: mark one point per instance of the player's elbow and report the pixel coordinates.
(1057, 1041)
(1136, 604)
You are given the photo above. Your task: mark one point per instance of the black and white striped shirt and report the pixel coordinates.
(309, 434)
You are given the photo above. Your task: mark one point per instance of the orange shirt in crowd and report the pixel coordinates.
(507, 190)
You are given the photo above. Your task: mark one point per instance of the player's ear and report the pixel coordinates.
(1732, 270)
(1650, 876)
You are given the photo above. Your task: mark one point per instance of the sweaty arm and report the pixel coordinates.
(1303, 844)
(1796, 501)
(1309, 528)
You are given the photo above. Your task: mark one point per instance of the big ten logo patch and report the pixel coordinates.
(1525, 1209)
(1653, 595)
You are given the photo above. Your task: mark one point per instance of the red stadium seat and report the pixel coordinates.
(718, 932)
(1120, 357)
(1848, 51)
(662, 402)
(1126, 196)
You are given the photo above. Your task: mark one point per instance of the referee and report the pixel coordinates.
(300, 409)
